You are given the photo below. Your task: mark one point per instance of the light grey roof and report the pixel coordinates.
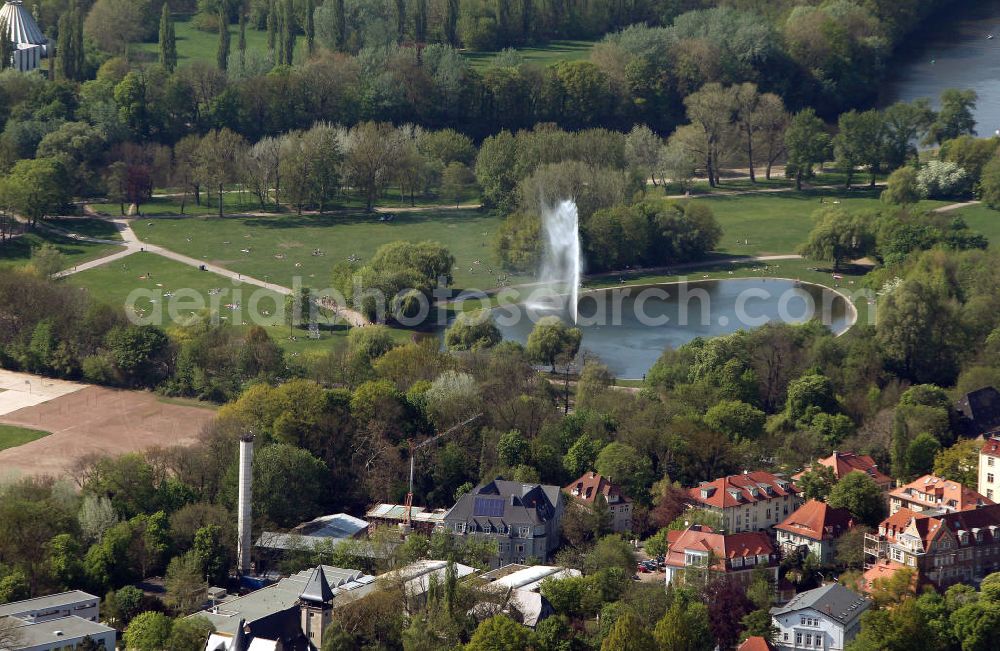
(338, 525)
(66, 629)
(283, 595)
(47, 602)
(832, 600)
(317, 590)
(21, 24)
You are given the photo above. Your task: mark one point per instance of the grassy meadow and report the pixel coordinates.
(12, 436)
(16, 252)
(542, 55)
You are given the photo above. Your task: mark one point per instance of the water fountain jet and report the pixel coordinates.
(562, 262)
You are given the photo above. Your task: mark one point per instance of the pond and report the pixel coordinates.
(953, 51)
(628, 327)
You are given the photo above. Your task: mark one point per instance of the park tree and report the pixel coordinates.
(628, 634)
(551, 340)
(838, 236)
(859, 494)
(498, 633)
(222, 53)
(626, 465)
(817, 482)
(496, 174)
(185, 583)
(371, 150)
(685, 627)
(473, 331)
(711, 109)
(809, 395)
(771, 121)
(241, 44)
(678, 159)
(114, 24)
(955, 117)
(273, 501)
(959, 463)
(919, 333)
(753, 112)
(902, 188)
(906, 123)
(860, 141)
(213, 556)
(148, 631)
(456, 179)
(35, 188)
(920, 454)
(218, 161)
(141, 355)
(190, 634)
(642, 150)
(806, 142)
(168, 40)
(736, 419)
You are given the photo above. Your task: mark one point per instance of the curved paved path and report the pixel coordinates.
(132, 244)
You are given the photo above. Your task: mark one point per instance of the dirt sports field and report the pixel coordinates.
(85, 419)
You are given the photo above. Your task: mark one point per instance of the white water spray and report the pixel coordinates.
(562, 262)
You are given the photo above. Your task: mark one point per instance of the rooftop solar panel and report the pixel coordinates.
(487, 507)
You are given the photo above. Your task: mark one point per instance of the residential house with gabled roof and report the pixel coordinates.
(752, 501)
(828, 618)
(736, 555)
(989, 468)
(935, 494)
(523, 519)
(590, 485)
(979, 411)
(959, 547)
(815, 526)
(755, 643)
(843, 463)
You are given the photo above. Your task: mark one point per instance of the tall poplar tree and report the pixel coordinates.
(400, 20)
(242, 45)
(222, 56)
(420, 22)
(288, 39)
(77, 38)
(272, 25)
(65, 58)
(6, 46)
(340, 23)
(168, 40)
(451, 22)
(310, 27)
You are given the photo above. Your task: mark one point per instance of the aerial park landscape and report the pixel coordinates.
(451, 324)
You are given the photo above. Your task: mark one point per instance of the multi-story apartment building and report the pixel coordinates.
(844, 462)
(815, 525)
(699, 551)
(989, 468)
(523, 519)
(590, 485)
(937, 494)
(826, 618)
(959, 547)
(54, 606)
(57, 622)
(753, 501)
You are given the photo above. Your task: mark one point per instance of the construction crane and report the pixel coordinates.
(413, 454)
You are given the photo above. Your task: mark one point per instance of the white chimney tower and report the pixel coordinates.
(243, 536)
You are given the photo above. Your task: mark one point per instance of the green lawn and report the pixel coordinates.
(113, 283)
(981, 218)
(97, 228)
(778, 222)
(552, 52)
(17, 252)
(196, 45)
(282, 247)
(11, 436)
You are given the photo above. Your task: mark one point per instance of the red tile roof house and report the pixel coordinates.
(960, 547)
(734, 555)
(814, 525)
(755, 643)
(590, 485)
(845, 462)
(940, 495)
(753, 501)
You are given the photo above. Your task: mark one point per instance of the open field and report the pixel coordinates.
(543, 55)
(12, 436)
(113, 283)
(282, 247)
(982, 218)
(96, 420)
(196, 45)
(101, 229)
(778, 222)
(17, 252)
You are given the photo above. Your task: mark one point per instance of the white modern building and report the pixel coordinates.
(57, 622)
(30, 44)
(826, 618)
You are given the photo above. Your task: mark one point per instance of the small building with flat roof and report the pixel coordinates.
(62, 633)
(393, 515)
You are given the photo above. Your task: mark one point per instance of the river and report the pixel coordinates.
(953, 51)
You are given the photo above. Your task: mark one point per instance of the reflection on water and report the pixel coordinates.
(628, 328)
(954, 52)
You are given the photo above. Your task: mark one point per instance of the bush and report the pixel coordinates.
(942, 179)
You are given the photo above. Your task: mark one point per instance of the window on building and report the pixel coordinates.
(989, 493)
(989, 477)
(809, 639)
(798, 639)
(989, 461)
